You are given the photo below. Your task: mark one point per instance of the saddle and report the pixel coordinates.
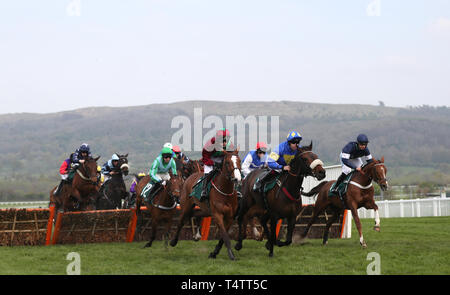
(342, 188)
(266, 181)
(198, 188)
(149, 192)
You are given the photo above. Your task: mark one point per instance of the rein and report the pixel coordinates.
(84, 177)
(165, 207)
(221, 192)
(369, 177)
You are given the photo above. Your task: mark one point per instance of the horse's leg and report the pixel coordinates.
(242, 223)
(330, 221)
(263, 220)
(290, 231)
(185, 215)
(154, 225)
(355, 216)
(377, 217)
(217, 249)
(198, 223)
(223, 226)
(318, 208)
(273, 235)
(167, 233)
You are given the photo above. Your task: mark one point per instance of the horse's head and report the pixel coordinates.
(307, 163)
(232, 165)
(123, 164)
(378, 173)
(174, 186)
(90, 168)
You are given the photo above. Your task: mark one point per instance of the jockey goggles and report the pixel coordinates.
(261, 150)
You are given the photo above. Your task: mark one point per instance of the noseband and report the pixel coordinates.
(313, 165)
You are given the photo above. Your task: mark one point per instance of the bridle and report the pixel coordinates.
(311, 167)
(86, 177)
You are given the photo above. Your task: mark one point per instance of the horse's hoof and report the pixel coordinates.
(231, 255)
(376, 228)
(212, 255)
(302, 240)
(238, 246)
(173, 243)
(268, 245)
(147, 245)
(271, 254)
(364, 245)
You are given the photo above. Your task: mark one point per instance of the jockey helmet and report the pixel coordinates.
(362, 138)
(142, 174)
(84, 148)
(294, 136)
(115, 157)
(261, 146)
(168, 145)
(224, 133)
(176, 149)
(166, 152)
(99, 169)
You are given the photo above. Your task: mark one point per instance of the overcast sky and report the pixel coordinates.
(67, 54)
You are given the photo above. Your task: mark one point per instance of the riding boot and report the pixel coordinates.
(208, 178)
(59, 188)
(154, 189)
(259, 185)
(338, 182)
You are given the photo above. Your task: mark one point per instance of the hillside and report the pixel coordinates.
(34, 145)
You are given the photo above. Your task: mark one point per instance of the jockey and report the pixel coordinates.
(353, 156)
(279, 159)
(254, 159)
(64, 173)
(133, 189)
(73, 161)
(82, 153)
(159, 171)
(110, 167)
(180, 155)
(212, 155)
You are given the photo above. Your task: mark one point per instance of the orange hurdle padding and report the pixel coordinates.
(50, 224)
(280, 221)
(344, 219)
(57, 227)
(132, 226)
(206, 223)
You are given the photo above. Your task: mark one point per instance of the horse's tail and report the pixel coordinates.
(315, 190)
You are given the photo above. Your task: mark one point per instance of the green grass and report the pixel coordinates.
(417, 246)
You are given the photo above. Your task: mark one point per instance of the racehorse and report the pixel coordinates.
(191, 167)
(114, 190)
(162, 206)
(82, 193)
(281, 201)
(222, 203)
(359, 194)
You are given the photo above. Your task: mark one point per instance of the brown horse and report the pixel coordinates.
(359, 194)
(282, 201)
(222, 203)
(191, 167)
(82, 193)
(162, 207)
